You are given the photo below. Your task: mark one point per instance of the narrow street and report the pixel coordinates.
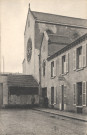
(31, 122)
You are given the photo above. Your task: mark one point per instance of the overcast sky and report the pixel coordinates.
(13, 20)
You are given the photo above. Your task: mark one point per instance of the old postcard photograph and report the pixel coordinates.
(43, 67)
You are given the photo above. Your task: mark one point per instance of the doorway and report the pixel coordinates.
(62, 107)
(52, 95)
(44, 92)
(79, 94)
(79, 97)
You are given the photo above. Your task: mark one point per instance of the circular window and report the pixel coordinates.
(29, 49)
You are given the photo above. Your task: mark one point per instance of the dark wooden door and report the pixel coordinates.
(79, 94)
(62, 97)
(44, 92)
(52, 95)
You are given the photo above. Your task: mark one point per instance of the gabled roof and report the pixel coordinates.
(58, 19)
(21, 80)
(58, 39)
(56, 43)
(53, 48)
(67, 47)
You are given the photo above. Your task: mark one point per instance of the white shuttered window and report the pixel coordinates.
(55, 68)
(67, 62)
(75, 94)
(84, 87)
(84, 53)
(74, 59)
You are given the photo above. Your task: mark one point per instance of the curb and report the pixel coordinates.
(83, 120)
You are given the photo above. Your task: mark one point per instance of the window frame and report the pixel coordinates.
(52, 69)
(79, 57)
(64, 64)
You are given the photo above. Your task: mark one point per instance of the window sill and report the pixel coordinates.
(79, 106)
(64, 74)
(53, 77)
(74, 104)
(79, 69)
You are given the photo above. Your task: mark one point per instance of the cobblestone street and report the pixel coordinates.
(31, 122)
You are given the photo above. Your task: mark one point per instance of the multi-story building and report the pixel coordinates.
(36, 24)
(54, 53)
(64, 75)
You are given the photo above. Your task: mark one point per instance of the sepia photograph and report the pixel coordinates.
(43, 67)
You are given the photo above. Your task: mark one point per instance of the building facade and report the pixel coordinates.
(64, 76)
(55, 54)
(36, 24)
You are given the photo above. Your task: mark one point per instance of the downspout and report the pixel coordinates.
(40, 87)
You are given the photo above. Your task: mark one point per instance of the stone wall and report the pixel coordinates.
(3, 90)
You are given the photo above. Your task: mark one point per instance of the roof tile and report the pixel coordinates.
(58, 19)
(22, 80)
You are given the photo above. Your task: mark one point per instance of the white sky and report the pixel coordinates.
(13, 20)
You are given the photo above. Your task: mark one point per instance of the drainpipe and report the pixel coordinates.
(39, 75)
(40, 88)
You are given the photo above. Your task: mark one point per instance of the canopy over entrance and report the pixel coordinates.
(21, 81)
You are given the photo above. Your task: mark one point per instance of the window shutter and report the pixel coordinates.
(64, 67)
(84, 87)
(67, 62)
(75, 94)
(60, 65)
(84, 53)
(80, 61)
(53, 71)
(55, 68)
(56, 96)
(55, 88)
(74, 59)
(65, 88)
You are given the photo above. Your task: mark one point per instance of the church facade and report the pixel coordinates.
(45, 36)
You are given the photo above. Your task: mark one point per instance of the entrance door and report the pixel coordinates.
(62, 97)
(1, 94)
(52, 95)
(44, 92)
(79, 97)
(79, 93)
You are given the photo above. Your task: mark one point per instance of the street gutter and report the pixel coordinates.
(67, 116)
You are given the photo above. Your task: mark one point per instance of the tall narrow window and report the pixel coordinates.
(63, 64)
(74, 94)
(84, 53)
(79, 93)
(52, 69)
(74, 59)
(79, 57)
(44, 66)
(84, 89)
